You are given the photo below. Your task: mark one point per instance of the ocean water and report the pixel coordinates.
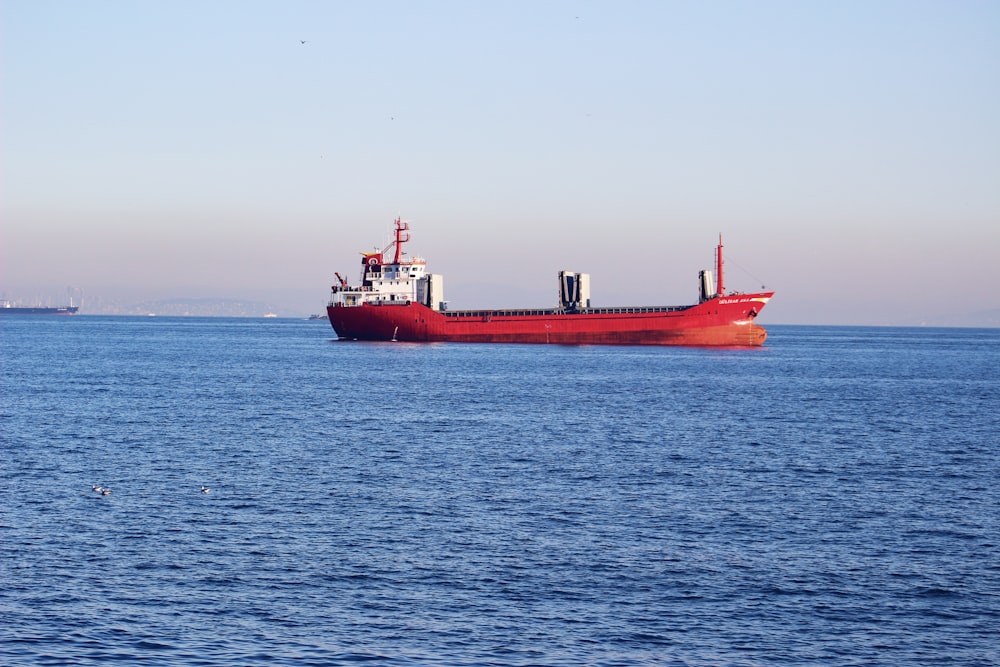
(832, 498)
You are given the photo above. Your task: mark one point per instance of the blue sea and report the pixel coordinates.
(832, 498)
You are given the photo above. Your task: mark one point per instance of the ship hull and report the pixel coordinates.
(20, 310)
(725, 321)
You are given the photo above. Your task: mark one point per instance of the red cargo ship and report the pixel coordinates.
(398, 300)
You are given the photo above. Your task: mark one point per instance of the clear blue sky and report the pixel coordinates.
(848, 151)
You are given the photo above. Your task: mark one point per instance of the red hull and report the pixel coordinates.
(725, 321)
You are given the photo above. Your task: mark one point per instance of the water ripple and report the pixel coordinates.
(831, 499)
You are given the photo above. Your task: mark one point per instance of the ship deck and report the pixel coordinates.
(555, 312)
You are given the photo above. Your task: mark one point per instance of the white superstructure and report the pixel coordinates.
(398, 281)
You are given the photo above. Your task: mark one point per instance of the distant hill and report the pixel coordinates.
(982, 318)
(202, 308)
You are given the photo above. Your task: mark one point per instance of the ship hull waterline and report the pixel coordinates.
(719, 322)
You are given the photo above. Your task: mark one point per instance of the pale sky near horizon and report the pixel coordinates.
(849, 152)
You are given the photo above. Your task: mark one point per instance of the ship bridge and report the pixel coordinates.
(398, 281)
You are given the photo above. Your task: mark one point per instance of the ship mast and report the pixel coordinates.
(718, 267)
(402, 236)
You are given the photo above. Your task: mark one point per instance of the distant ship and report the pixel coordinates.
(9, 308)
(398, 301)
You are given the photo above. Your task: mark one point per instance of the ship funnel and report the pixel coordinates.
(574, 290)
(706, 286)
(430, 291)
